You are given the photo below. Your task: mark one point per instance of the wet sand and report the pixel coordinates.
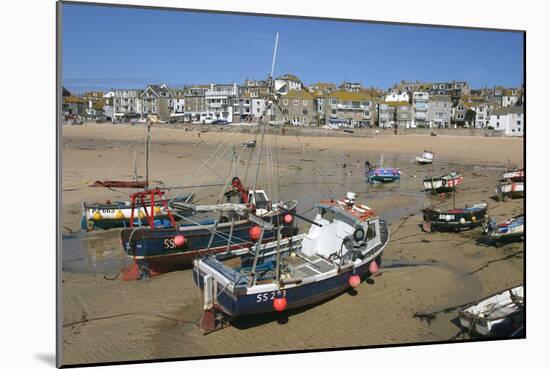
(411, 299)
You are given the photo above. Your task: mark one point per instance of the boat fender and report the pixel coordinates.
(513, 187)
(462, 220)
(373, 267)
(279, 302)
(354, 281)
(287, 218)
(255, 232)
(359, 234)
(179, 240)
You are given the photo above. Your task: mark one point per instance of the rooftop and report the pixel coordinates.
(509, 110)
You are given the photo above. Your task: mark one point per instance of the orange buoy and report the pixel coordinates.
(279, 303)
(373, 267)
(179, 240)
(255, 233)
(288, 218)
(354, 281)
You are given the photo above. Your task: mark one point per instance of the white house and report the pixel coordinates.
(397, 96)
(219, 100)
(286, 83)
(508, 119)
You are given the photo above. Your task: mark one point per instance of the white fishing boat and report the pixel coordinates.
(427, 157)
(444, 183)
(499, 315)
(514, 176)
(506, 189)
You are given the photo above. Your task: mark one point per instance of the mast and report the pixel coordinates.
(147, 145)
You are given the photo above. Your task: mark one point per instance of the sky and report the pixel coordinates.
(105, 47)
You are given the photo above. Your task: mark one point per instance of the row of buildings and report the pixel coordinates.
(407, 104)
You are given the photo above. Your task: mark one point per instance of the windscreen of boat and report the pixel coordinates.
(329, 215)
(260, 200)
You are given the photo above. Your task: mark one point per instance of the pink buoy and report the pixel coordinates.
(255, 233)
(287, 218)
(279, 303)
(179, 240)
(354, 281)
(373, 267)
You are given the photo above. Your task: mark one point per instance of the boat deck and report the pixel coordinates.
(301, 265)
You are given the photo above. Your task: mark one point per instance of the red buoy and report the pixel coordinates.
(373, 267)
(279, 303)
(255, 233)
(354, 281)
(287, 218)
(179, 240)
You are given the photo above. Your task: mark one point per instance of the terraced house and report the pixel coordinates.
(126, 102)
(157, 100)
(439, 111)
(297, 108)
(353, 109)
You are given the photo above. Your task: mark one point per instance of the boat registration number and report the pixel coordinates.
(446, 217)
(263, 297)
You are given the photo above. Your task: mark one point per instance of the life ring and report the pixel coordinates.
(444, 182)
(358, 234)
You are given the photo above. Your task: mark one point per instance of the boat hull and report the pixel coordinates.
(454, 220)
(442, 184)
(156, 248)
(510, 190)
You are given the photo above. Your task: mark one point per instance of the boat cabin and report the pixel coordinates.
(341, 227)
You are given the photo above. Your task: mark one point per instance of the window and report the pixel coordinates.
(498, 124)
(304, 112)
(257, 110)
(371, 231)
(285, 111)
(519, 123)
(295, 102)
(304, 102)
(285, 102)
(305, 120)
(333, 111)
(332, 101)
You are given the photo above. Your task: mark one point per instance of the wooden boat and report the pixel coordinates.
(455, 219)
(506, 189)
(343, 246)
(162, 249)
(514, 176)
(444, 183)
(117, 214)
(383, 175)
(500, 315)
(510, 230)
(427, 157)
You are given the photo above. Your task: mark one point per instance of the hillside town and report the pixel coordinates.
(405, 105)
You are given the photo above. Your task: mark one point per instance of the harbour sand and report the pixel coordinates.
(413, 298)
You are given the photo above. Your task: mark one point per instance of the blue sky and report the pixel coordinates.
(115, 47)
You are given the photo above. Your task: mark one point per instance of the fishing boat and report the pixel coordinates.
(427, 157)
(117, 214)
(444, 183)
(455, 219)
(514, 176)
(500, 315)
(343, 246)
(509, 230)
(383, 175)
(506, 189)
(222, 228)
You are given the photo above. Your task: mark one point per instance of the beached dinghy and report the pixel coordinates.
(343, 246)
(224, 227)
(427, 157)
(507, 189)
(455, 219)
(444, 183)
(507, 231)
(499, 315)
(383, 175)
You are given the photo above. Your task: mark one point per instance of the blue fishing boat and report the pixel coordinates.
(383, 175)
(507, 231)
(210, 229)
(343, 246)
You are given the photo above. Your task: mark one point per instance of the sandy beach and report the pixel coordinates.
(412, 298)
